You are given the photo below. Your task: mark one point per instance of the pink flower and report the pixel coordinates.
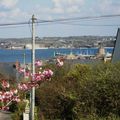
(19, 86)
(38, 63)
(37, 77)
(33, 85)
(27, 74)
(21, 70)
(27, 86)
(47, 73)
(1, 96)
(14, 91)
(16, 99)
(5, 84)
(23, 87)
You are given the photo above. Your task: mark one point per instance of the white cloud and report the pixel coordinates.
(108, 6)
(8, 3)
(14, 15)
(67, 6)
(100, 7)
(10, 11)
(105, 5)
(73, 9)
(59, 9)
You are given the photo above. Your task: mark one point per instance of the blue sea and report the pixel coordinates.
(19, 55)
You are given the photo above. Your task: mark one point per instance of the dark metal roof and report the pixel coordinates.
(116, 51)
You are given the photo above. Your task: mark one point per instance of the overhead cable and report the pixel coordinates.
(62, 20)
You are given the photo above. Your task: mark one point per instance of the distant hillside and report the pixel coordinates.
(71, 41)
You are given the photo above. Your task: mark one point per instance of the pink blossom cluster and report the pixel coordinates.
(5, 108)
(37, 77)
(44, 75)
(47, 73)
(24, 72)
(21, 70)
(27, 86)
(5, 84)
(41, 76)
(27, 74)
(7, 96)
(11, 95)
(38, 63)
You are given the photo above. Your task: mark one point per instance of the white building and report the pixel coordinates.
(37, 46)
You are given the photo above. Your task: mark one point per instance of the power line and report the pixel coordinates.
(54, 21)
(89, 25)
(79, 18)
(14, 24)
(79, 24)
(65, 23)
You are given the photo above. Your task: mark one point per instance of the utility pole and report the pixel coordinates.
(24, 62)
(32, 101)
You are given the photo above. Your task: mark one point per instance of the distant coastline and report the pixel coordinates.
(37, 48)
(58, 42)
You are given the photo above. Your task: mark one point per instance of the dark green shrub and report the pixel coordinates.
(81, 91)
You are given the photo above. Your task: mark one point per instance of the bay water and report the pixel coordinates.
(19, 55)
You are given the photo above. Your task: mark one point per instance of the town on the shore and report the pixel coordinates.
(58, 42)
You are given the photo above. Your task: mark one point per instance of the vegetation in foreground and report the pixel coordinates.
(80, 92)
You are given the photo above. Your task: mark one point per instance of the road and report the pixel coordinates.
(5, 116)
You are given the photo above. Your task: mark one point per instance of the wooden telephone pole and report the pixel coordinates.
(32, 101)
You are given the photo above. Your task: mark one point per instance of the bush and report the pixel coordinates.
(18, 113)
(81, 91)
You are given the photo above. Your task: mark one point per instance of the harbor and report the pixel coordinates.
(45, 54)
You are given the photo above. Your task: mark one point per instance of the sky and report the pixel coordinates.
(13, 11)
